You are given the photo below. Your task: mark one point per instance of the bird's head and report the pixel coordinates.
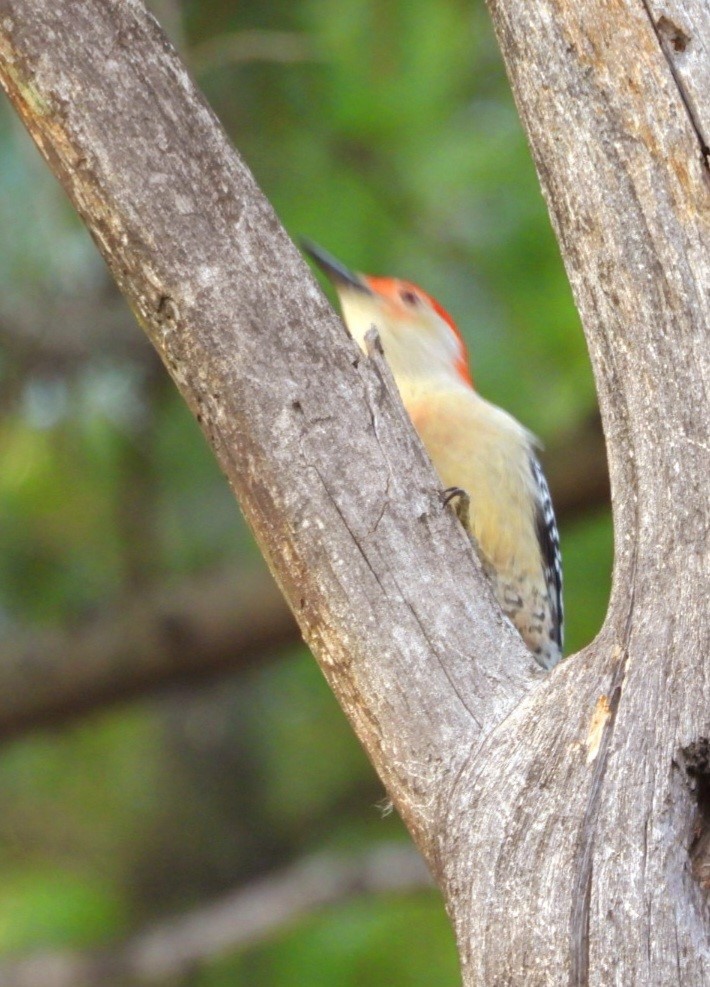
(419, 338)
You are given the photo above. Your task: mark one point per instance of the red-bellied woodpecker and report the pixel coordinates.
(479, 451)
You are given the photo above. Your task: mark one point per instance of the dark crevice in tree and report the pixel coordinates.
(579, 938)
(675, 35)
(696, 760)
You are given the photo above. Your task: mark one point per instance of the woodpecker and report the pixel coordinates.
(485, 459)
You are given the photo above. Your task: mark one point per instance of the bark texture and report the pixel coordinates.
(311, 435)
(583, 861)
(559, 812)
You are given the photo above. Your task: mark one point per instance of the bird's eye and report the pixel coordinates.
(408, 297)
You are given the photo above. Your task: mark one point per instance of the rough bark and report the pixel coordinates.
(311, 435)
(557, 813)
(583, 861)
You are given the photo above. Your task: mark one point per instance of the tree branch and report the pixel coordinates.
(287, 47)
(179, 946)
(311, 435)
(593, 765)
(205, 626)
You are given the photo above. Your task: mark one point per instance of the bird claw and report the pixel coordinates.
(462, 508)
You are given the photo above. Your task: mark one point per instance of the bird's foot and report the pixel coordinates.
(461, 507)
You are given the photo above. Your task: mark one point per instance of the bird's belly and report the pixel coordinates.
(495, 472)
(492, 465)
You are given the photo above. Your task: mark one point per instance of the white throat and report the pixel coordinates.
(421, 357)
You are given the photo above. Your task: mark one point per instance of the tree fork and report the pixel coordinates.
(589, 845)
(556, 812)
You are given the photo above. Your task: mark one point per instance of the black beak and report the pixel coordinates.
(337, 272)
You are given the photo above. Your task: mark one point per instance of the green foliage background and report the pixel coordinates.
(387, 133)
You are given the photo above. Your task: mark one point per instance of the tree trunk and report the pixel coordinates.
(558, 813)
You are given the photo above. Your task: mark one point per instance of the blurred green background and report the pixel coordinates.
(387, 133)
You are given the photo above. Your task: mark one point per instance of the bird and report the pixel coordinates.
(485, 459)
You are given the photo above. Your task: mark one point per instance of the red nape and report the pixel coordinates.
(392, 289)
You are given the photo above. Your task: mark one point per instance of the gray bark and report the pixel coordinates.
(557, 812)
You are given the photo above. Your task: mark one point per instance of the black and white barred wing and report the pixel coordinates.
(549, 538)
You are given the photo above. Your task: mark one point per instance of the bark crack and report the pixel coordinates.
(582, 888)
(435, 651)
(679, 974)
(670, 36)
(385, 505)
(582, 893)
